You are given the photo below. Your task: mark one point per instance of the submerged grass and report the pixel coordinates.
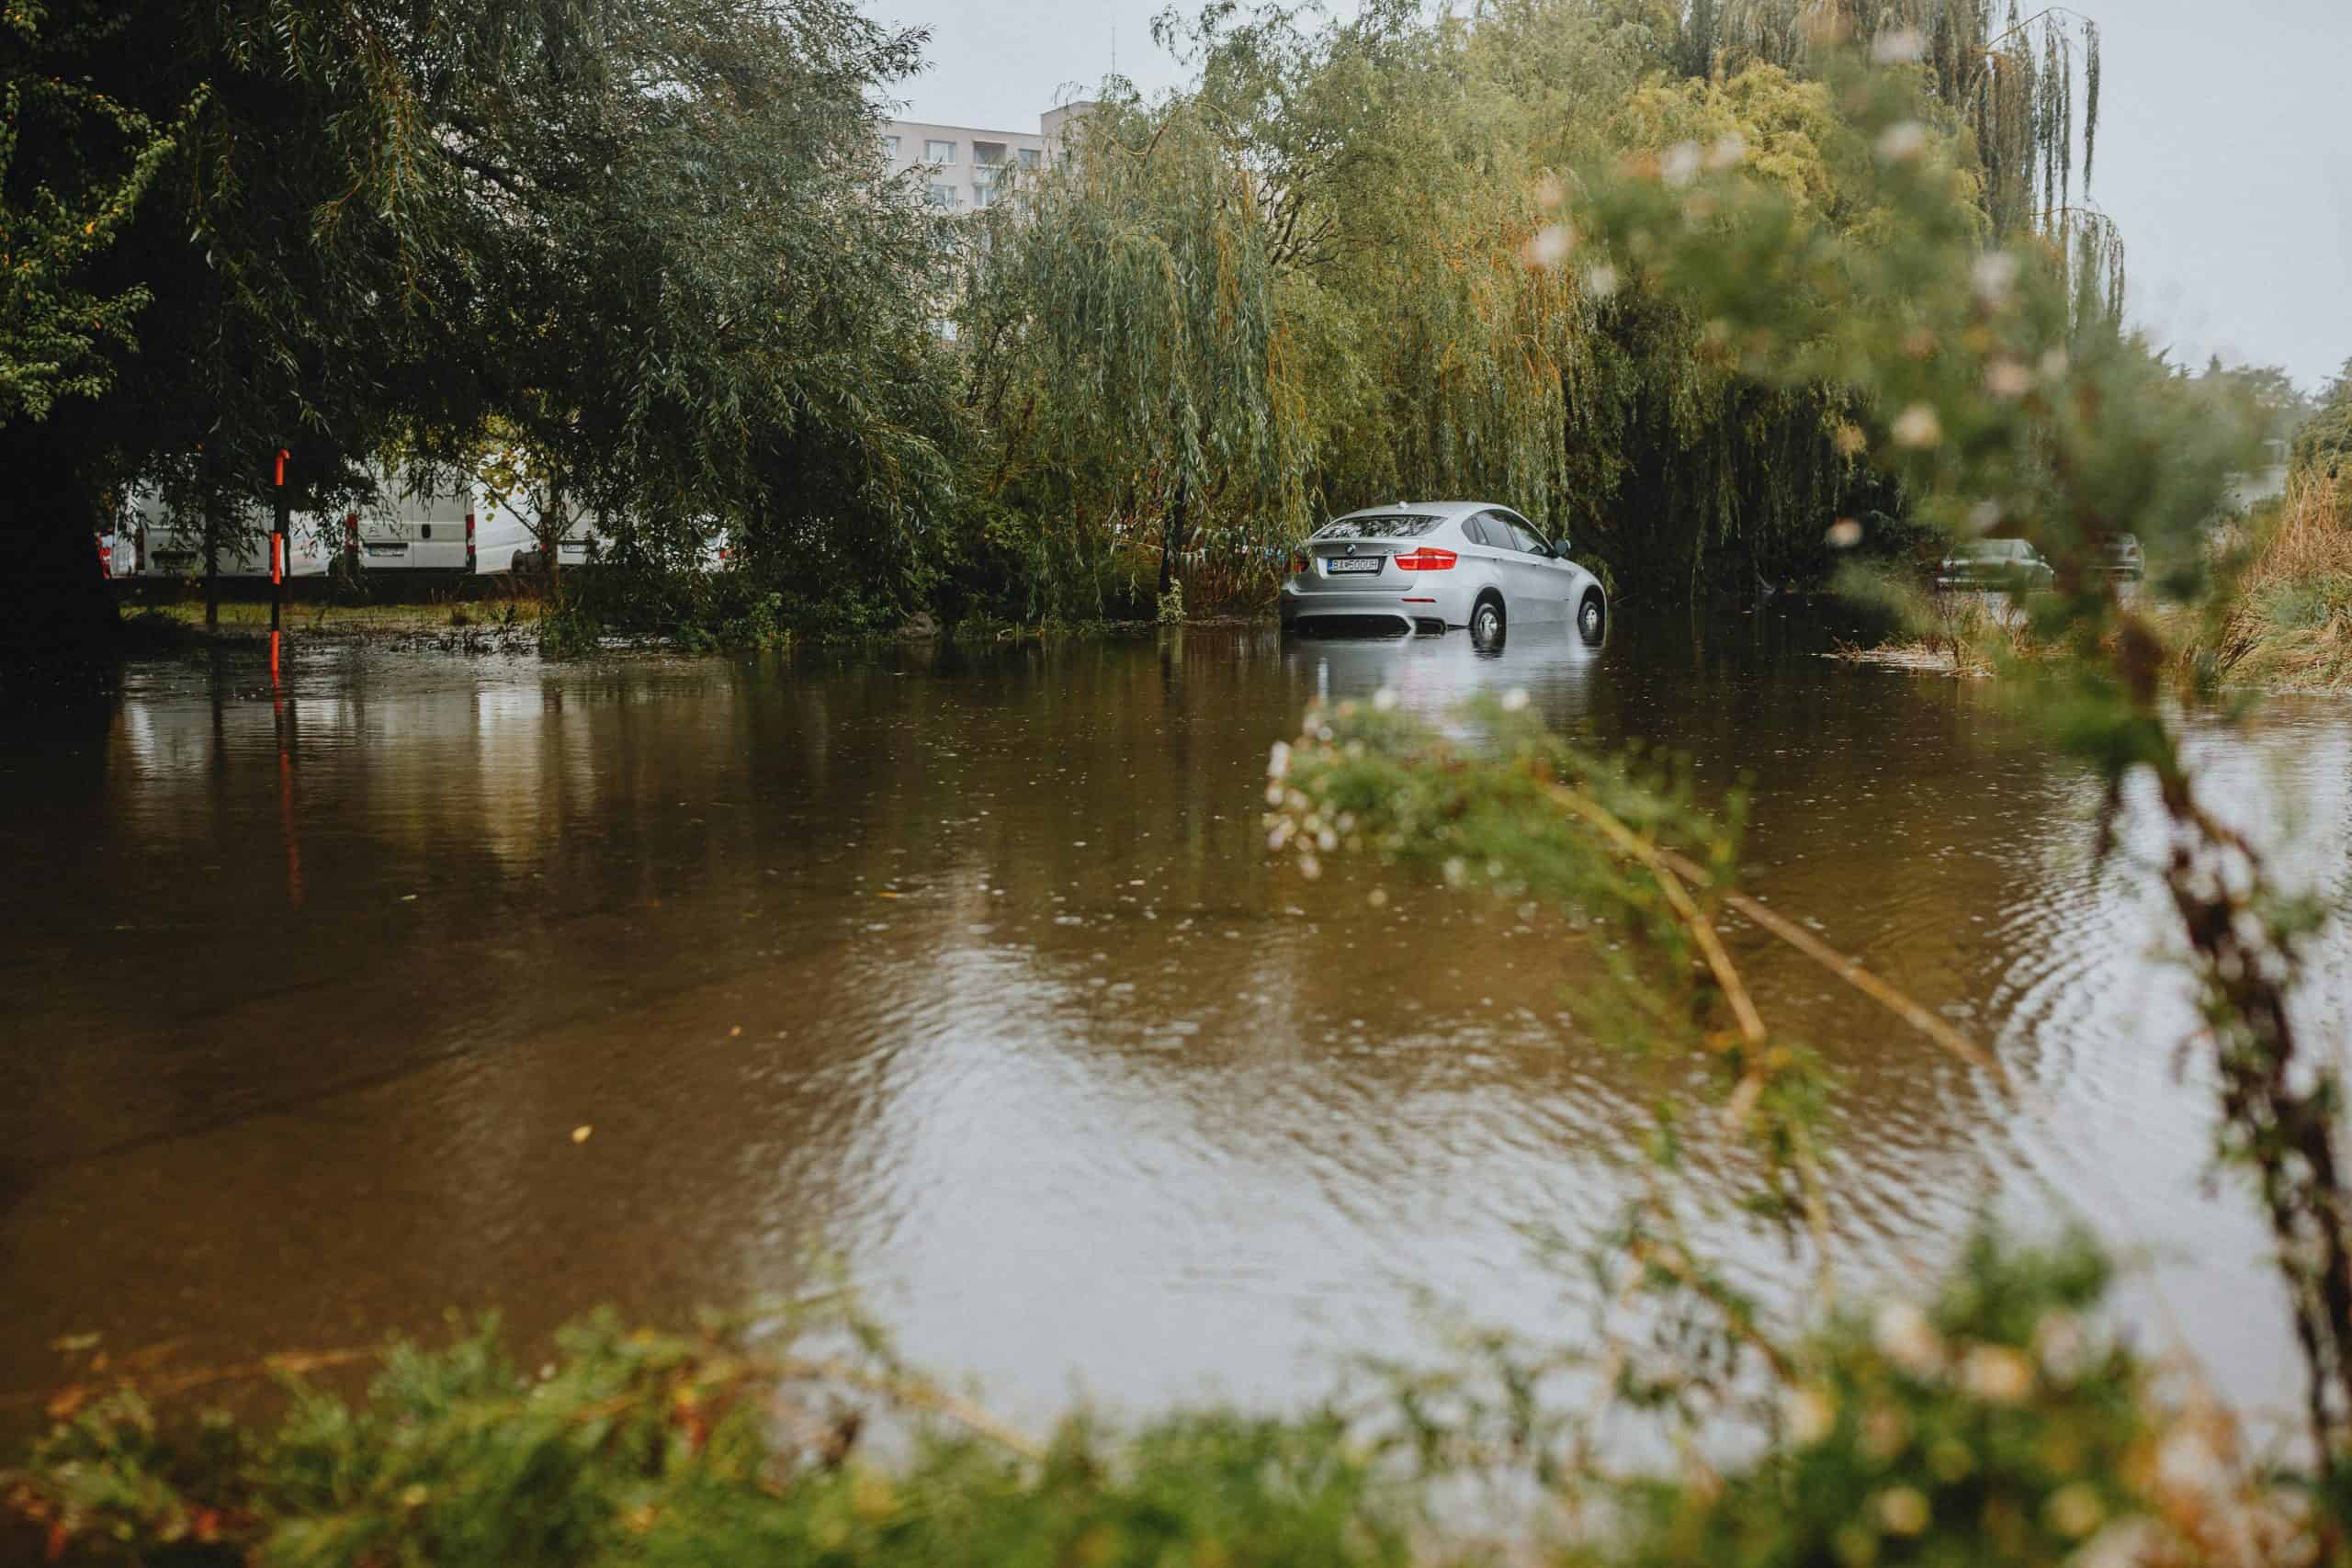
(242, 620)
(1967, 634)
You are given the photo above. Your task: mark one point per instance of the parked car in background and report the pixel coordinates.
(154, 540)
(2120, 555)
(1434, 566)
(579, 546)
(2003, 566)
(587, 542)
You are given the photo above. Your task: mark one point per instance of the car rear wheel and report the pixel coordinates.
(1487, 622)
(1591, 617)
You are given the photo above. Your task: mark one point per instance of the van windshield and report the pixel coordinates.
(1394, 526)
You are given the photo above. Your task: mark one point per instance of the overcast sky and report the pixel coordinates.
(2224, 149)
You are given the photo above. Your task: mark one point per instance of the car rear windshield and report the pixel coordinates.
(1396, 526)
(1996, 549)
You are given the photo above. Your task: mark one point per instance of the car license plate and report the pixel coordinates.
(1352, 563)
(388, 549)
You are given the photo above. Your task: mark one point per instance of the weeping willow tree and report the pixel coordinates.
(1126, 354)
(2024, 85)
(1443, 364)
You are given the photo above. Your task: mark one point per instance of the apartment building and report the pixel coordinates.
(965, 167)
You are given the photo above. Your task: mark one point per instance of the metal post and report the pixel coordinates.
(281, 564)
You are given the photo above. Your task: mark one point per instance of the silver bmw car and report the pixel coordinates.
(1428, 566)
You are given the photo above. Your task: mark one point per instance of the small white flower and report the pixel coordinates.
(1984, 517)
(1310, 867)
(2054, 365)
(1918, 427)
(1551, 245)
(1377, 898)
(2075, 1510)
(1844, 534)
(1278, 760)
(2061, 1345)
(1279, 835)
(1903, 1510)
(1998, 1375)
(2008, 380)
(1727, 151)
(1908, 1338)
(1600, 282)
(1384, 700)
(1456, 871)
(1900, 47)
(1994, 277)
(1680, 164)
(1811, 1416)
(1549, 191)
(1903, 142)
(1515, 699)
(1274, 792)
(2124, 1544)
(2186, 1462)
(1325, 840)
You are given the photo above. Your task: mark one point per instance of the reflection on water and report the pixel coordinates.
(971, 969)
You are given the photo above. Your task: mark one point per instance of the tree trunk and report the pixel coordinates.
(1172, 539)
(58, 626)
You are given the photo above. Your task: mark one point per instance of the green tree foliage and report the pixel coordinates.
(656, 241)
(53, 326)
(2323, 442)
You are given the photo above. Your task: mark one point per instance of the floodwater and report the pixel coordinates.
(968, 972)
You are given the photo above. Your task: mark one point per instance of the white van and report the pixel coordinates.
(151, 540)
(579, 545)
(428, 519)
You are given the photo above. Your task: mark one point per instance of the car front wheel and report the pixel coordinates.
(1591, 617)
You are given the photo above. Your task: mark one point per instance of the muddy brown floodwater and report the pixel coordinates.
(969, 971)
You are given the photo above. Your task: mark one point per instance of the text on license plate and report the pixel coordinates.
(388, 549)
(1353, 563)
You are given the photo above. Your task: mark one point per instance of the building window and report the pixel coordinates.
(985, 194)
(1029, 157)
(987, 153)
(939, 151)
(890, 146)
(943, 198)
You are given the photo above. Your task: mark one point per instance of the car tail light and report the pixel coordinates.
(1298, 563)
(469, 541)
(1426, 559)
